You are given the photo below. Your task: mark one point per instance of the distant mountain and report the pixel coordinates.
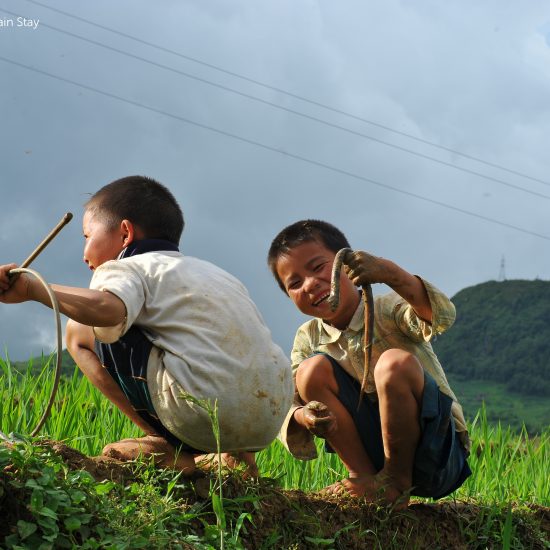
(497, 353)
(501, 334)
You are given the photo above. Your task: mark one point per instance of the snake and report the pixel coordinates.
(341, 257)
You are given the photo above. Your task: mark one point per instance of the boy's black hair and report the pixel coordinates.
(143, 201)
(301, 232)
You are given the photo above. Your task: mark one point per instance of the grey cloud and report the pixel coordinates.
(438, 71)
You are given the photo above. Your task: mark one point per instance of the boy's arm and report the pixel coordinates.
(363, 268)
(86, 306)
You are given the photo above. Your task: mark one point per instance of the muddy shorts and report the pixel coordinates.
(126, 361)
(440, 465)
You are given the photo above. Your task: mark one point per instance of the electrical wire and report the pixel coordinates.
(271, 148)
(289, 110)
(291, 94)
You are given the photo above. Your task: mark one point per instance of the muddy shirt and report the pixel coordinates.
(396, 325)
(209, 341)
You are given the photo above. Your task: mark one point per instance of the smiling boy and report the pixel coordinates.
(408, 435)
(156, 324)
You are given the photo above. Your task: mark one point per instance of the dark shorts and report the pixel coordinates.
(440, 465)
(126, 361)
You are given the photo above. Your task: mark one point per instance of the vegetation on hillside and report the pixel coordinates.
(36, 365)
(502, 334)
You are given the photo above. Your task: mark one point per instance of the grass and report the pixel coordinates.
(510, 475)
(510, 408)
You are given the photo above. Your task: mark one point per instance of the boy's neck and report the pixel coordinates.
(147, 245)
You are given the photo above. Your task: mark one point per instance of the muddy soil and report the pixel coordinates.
(295, 519)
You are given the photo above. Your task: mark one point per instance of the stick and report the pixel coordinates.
(53, 233)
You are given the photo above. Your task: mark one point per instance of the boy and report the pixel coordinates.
(407, 435)
(156, 324)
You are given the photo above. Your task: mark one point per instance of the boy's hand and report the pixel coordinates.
(318, 420)
(364, 269)
(13, 290)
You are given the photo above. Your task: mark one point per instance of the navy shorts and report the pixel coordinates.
(440, 465)
(126, 361)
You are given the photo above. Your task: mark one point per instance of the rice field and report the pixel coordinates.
(508, 467)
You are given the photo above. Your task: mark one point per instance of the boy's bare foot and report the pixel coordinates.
(376, 489)
(231, 461)
(155, 446)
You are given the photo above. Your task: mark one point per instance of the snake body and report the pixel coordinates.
(334, 300)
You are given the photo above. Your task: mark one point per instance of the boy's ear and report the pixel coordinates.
(129, 232)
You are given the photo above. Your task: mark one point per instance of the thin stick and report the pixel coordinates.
(64, 221)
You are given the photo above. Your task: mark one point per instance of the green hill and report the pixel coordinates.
(498, 351)
(36, 364)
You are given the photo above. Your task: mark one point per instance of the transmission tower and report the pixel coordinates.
(502, 272)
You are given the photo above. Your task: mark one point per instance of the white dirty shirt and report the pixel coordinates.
(396, 325)
(209, 340)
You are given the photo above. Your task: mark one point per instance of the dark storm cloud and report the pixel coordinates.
(469, 77)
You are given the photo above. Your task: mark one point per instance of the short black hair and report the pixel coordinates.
(143, 201)
(301, 232)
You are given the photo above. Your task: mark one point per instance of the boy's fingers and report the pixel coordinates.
(355, 275)
(5, 279)
(317, 408)
(363, 269)
(319, 422)
(5, 269)
(322, 429)
(361, 260)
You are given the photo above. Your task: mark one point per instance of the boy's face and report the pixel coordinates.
(306, 271)
(102, 244)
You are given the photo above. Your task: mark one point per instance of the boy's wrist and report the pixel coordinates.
(392, 273)
(32, 288)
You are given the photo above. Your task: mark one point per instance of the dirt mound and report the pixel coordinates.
(295, 519)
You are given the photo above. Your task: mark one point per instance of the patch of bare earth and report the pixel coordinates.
(296, 519)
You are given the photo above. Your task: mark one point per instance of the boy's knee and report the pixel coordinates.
(77, 335)
(398, 367)
(69, 331)
(72, 339)
(315, 374)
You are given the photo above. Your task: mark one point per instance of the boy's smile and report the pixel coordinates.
(305, 272)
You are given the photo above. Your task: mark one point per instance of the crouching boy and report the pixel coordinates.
(156, 325)
(407, 435)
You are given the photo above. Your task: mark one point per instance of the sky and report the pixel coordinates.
(420, 129)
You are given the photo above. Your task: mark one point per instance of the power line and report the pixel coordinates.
(293, 95)
(286, 109)
(271, 148)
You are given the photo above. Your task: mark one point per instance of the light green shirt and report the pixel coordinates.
(396, 325)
